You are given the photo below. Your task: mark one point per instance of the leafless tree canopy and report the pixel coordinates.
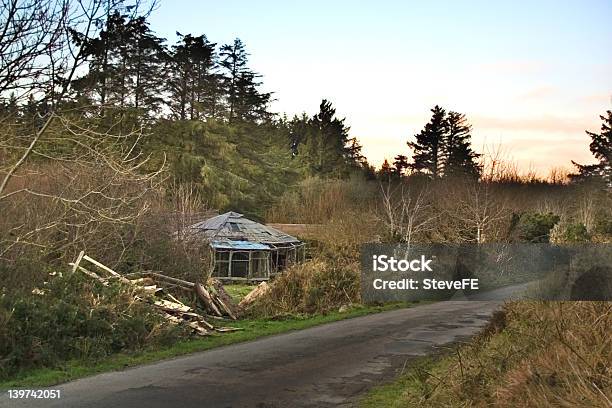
(41, 43)
(62, 176)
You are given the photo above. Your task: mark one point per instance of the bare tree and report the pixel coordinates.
(480, 212)
(43, 43)
(30, 31)
(42, 46)
(405, 212)
(95, 180)
(61, 176)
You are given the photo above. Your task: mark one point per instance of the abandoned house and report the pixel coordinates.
(247, 250)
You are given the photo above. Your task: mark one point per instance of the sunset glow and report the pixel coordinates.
(530, 77)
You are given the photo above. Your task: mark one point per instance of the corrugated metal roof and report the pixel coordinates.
(237, 245)
(233, 226)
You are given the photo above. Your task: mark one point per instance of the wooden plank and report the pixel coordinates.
(91, 274)
(199, 318)
(151, 289)
(252, 296)
(227, 310)
(107, 269)
(175, 299)
(228, 329)
(197, 328)
(181, 282)
(100, 265)
(171, 306)
(76, 263)
(207, 300)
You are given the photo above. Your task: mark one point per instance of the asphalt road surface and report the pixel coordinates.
(324, 366)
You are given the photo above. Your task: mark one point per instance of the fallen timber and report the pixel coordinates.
(154, 288)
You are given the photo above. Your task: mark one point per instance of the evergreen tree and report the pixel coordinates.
(244, 101)
(386, 171)
(323, 143)
(96, 84)
(298, 130)
(458, 156)
(354, 156)
(427, 149)
(400, 164)
(250, 104)
(329, 140)
(443, 147)
(601, 147)
(194, 86)
(125, 66)
(9, 108)
(145, 62)
(234, 61)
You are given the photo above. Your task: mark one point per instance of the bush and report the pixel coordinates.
(604, 226)
(535, 227)
(569, 233)
(75, 318)
(315, 286)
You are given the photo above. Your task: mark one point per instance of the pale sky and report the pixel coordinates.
(530, 75)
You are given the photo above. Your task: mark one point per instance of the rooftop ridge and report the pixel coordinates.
(236, 227)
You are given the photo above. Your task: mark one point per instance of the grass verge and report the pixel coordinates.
(253, 329)
(410, 383)
(238, 291)
(540, 354)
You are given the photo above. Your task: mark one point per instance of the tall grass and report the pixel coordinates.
(533, 354)
(317, 286)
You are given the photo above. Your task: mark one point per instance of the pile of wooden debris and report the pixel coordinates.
(253, 295)
(155, 289)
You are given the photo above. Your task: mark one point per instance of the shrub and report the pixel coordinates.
(604, 226)
(569, 233)
(535, 227)
(75, 318)
(315, 286)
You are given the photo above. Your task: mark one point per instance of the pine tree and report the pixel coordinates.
(427, 149)
(244, 101)
(233, 60)
(458, 156)
(323, 143)
(250, 104)
(144, 63)
(354, 155)
(125, 66)
(443, 147)
(601, 147)
(385, 172)
(400, 164)
(298, 130)
(194, 86)
(330, 139)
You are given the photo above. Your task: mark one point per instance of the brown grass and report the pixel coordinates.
(549, 354)
(316, 286)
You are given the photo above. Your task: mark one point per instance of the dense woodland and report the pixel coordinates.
(112, 139)
(105, 123)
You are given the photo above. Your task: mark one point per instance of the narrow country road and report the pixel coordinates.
(324, 366)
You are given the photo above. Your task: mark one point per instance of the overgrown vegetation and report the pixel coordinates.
(541, 354)
(315, 286)
(75, 318)
(253, 329)
(113, 141)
